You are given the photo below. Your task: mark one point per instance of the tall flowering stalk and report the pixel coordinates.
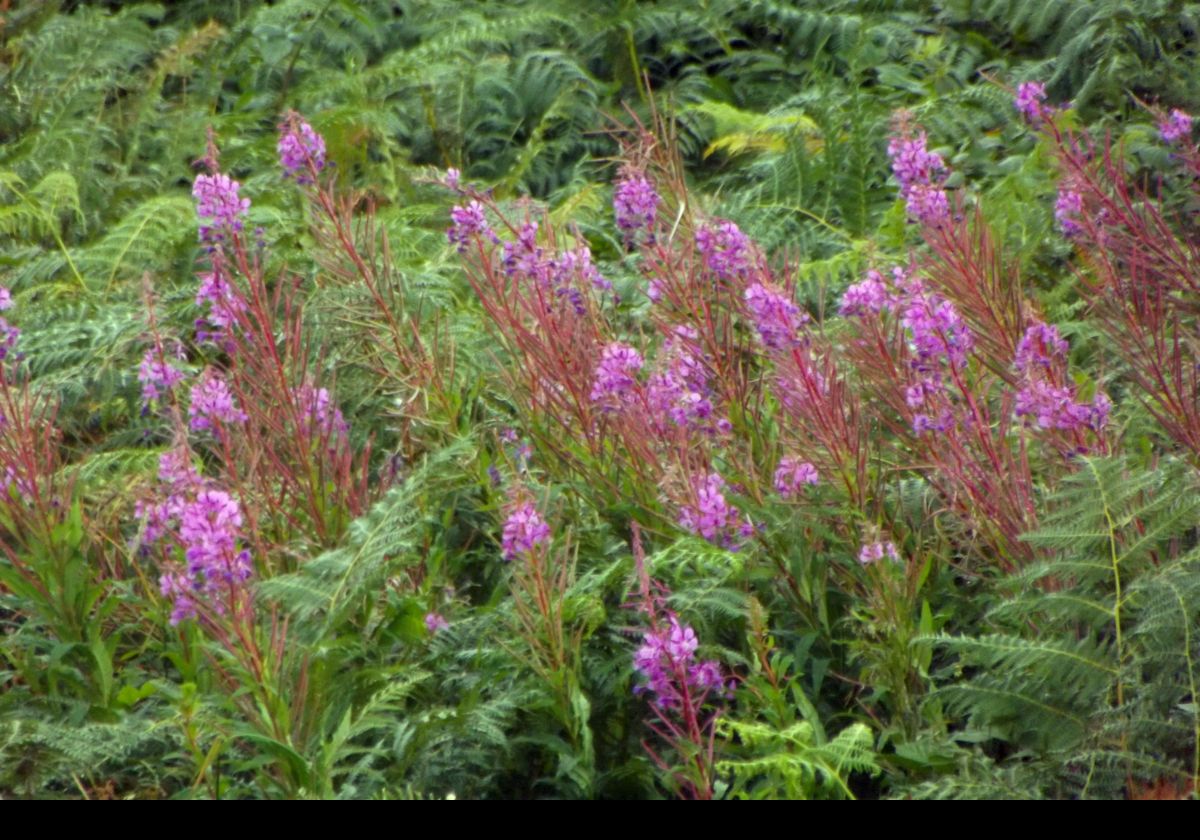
(35, 495)
(542, 576)
(684, 692)
(282, 443)
(918, 360)
(407, 347)
(1139, 268)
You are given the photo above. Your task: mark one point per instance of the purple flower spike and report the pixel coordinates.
(469, 222)
(867, 296)
(793, 474)
(635, 203)
(218, 205)
(920, 173)
(1030, 96)
(871, 553)
(1067, 210)
(667, 661)
(212, 403)
(1176, 127)
(524, 530)
(616, 375)
(157, 376)
(776, 317)
(299, 148)
(726, 250)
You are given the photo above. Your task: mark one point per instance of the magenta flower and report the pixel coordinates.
(1039, 347)
(212, 403)
(635, 203)
(1054, 407)
(920, 174)
(524, 530)
(300, 148)
(776, 317)
(224, 304)
(667, 660)
(8, 338)
(726, 250)
(157, 376)
(678, 392)
(435, 622)
(876, 551)
(792, 474)
(870, 295)
(469, 222)
(616, 375)
(176, 470)
(578, 264)
(912, 163)
(937, 331)
(319, 416)
(178, 587)
(208, 529)
(1176, 127)
(927, 204)
(712, 517)
(523, 259)
(219, 206)
(6, 300)
(1067, 210)
(1030, 96)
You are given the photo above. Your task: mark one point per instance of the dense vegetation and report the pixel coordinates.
(544, 399)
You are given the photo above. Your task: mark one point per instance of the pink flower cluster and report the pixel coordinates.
(157, 375)
(869, 295)
(939, 339)
(1067, 209)
(678, 392)
(726, 250)
(524, 530)
(792, 474)
(711, 516)
(667, 660)
(1030, 96)
(635, 202)
(206, 524)
(212, 403)
(776, 317)
(920, 173)
(8, 333)
(616, 375)
(1176, 127)
(469, 222)
(578, 263)
(319, 416)
(209, 531)
(218, 204)
(563, 274)
(299, 148)
(225, 304)
(1040, 360)
(874, 552)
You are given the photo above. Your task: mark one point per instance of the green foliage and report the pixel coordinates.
(794, 763)
(1076, 677)
(1101, 694)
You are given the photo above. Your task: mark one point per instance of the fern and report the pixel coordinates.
(794, 763)
(1102, 694)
